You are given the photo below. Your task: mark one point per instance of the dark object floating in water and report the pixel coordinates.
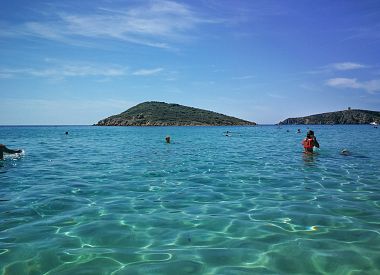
(155, 113)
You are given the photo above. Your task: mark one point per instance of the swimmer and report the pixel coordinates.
(345, 152)
(309, 142)
(4, 149)
(66, 133)
(167, 139)
(298, 131)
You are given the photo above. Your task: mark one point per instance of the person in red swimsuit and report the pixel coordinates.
(309, 142)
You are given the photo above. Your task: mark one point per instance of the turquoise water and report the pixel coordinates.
(118, 200)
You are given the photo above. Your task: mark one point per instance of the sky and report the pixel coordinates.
(77, 62)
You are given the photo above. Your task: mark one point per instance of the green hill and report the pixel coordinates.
(163, 114)
(340, 117)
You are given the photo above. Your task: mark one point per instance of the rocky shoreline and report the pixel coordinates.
(353, 116)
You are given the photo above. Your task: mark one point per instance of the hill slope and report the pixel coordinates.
(163, 114)
(339, 117)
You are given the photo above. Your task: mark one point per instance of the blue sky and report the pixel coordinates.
(76, 62)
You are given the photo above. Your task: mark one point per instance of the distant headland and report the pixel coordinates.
(155, 113)
(350, 116)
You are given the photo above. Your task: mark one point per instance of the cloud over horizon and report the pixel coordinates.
(352, 83)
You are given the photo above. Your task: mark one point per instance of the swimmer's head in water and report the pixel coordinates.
(167, 138)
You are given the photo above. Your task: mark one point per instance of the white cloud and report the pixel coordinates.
(345, 66)
(144, 72)
(373, 85)
(57, 69)
(343, 83)
(42, 30)
(75, 70)
(244, 77)
(353, 83)
(341, 66)
(66, 70)
(276, 95)
(151, 23)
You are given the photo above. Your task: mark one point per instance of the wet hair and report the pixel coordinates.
(310, 132)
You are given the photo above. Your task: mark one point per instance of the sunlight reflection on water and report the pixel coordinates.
(120, 200)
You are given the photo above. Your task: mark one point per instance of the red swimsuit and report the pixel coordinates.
(308, 144)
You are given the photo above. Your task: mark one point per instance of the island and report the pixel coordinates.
(155, 113)
(349, 116)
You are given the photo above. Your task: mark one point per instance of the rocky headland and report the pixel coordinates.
(349, 116)
(155, 113)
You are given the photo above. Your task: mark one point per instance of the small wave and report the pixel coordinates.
(14, 156)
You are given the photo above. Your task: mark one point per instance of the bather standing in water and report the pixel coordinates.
(309, 142)
(4, 149)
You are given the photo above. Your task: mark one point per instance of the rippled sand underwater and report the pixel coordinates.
(119, 200)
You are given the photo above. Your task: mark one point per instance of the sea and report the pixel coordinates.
(216, 200)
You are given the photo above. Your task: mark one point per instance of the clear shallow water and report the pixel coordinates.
(118, 200)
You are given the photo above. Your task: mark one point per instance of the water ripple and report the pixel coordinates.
(118, 200)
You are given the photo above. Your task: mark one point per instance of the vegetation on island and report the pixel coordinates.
(163, 114)
(350, 116)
